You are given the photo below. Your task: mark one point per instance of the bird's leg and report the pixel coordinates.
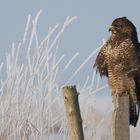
(114, 95)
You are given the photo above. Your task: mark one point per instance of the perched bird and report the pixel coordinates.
(119, 61)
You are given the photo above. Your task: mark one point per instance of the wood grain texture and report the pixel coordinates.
(73, 113)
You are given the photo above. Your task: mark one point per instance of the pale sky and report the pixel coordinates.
(83, 36)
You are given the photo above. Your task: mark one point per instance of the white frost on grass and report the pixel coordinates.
(82, 65)
(31, 103)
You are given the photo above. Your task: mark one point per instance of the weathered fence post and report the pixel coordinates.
(73, 113)
(120, 117)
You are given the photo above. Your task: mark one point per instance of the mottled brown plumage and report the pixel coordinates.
(119, 60)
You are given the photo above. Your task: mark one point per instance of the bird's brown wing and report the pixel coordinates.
(135, 110)
(100, 62)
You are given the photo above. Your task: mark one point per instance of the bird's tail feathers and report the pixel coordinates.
(134, 108)
(134, 114)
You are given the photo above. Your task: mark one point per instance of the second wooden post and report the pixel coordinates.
(120, 117)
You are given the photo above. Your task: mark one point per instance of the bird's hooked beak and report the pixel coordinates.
(111, 28)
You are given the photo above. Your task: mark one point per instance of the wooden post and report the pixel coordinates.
(120, 117)
(73, 113)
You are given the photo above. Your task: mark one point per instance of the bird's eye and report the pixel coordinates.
(118, 26)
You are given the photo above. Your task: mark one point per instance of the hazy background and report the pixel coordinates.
(83, 36)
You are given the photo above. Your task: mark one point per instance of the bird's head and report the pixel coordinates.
(123, 26)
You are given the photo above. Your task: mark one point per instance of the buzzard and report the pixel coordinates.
(119, 61)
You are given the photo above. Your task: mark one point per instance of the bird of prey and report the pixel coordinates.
(119, 61)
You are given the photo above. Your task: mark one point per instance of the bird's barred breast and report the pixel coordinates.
(120, 58)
